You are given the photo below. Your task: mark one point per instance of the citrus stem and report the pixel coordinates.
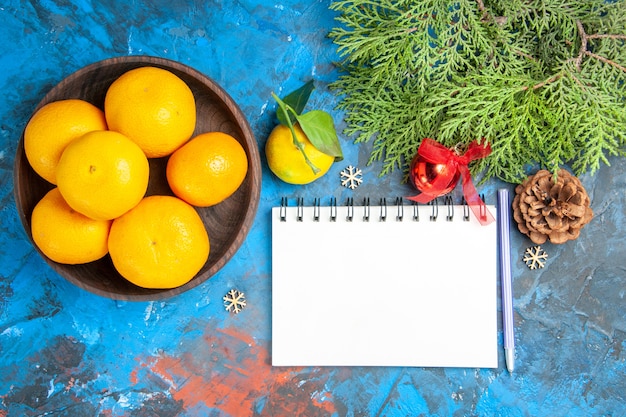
(284, 108)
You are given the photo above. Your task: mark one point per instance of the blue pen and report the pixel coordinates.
(505, 278)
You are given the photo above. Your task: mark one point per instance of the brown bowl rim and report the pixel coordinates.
(254, 172)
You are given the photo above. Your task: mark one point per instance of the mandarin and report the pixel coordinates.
(153, 107)
(52, 127)
(160, 243)
(66, 236)
(208, 169)
(103, 174)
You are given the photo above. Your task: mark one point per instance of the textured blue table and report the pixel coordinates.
(67, 352)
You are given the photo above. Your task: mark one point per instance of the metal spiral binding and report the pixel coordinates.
(399, 202)
(366, 209)
(383, 209)
(435, 211)
(350, 205)
(483, 207)
(466, 211)
(400, 208)
(300, 210)
(448, 202)
(416, 212)
(283, 209)
(316, 209)
(333, 209)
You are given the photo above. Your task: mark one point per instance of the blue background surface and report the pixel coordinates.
(67, 352)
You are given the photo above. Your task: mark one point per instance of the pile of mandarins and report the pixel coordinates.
(98, 161)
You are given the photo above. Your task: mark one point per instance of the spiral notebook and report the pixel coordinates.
(383, 285)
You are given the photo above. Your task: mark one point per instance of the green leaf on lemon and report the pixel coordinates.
(284, 109)
(319, 127)
(297, 100)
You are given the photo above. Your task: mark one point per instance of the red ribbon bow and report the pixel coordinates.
(436, 153)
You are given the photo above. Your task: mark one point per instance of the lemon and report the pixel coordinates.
(288, 163)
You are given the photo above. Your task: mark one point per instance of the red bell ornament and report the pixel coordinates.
(436, 169)
(432, 178)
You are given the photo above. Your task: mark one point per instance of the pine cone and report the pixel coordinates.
(548, 210)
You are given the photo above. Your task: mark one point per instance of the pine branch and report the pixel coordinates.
(542, 81)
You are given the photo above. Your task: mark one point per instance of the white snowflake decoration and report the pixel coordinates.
(234, 301)
(351, 177)
(535, 257)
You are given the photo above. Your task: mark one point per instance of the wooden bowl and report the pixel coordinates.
(227, 223)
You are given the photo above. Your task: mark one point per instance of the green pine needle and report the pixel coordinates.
(542, 81)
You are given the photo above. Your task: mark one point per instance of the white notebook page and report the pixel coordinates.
(393, 293)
